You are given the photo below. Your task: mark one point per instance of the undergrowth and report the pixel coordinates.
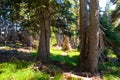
(22, 70)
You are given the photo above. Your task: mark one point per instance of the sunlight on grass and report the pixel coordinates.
(110, 77)
(18, 44)
(55, 51)
(111, 55)
(71, 58)
(20, 71)
(58, 77)
(24, 70)
(5, 47)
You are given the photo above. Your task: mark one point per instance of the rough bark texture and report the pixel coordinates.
(43, 49)
(91, 38)
(83, 35)
(94, 37)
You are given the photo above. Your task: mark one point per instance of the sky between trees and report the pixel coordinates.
(103, 3)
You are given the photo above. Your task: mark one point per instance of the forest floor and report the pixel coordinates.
(17, 62)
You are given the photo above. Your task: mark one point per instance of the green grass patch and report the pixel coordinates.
(71, 59)
(58, 77)
(18, 44)
(34, 52)
(21, 71)
(24, 71)
(111, 71)
(111, 55)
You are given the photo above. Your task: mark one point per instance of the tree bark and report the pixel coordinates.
(66, 43)
(44, 41)
(94, 37)
(83, 35)
(91, 38)
(59, 37)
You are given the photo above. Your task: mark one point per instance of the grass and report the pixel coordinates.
(71, 58)
(112, 55)
(20, 71)
(5, 47)
(111, 71)
(23, 70)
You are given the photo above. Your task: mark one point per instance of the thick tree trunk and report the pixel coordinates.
(83, 35)
(94, 37)
(91, 44)
(44, 48)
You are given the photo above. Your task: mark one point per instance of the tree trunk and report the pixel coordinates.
(66, 43)
(91, 43)
(44, 47)
(83, 35)
(59, 37)
(94, 37)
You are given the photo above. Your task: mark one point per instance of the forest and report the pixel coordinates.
(59, 39)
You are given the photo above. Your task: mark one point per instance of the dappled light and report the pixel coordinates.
(59, 40)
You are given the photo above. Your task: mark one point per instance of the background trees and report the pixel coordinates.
(35, 18)
(40, 18)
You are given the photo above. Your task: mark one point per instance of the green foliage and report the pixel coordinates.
(111, 37)
(58, 77)
(65, 16)
(23, 70)
(116, 13)
(71, 58)
(20, 71)
(26, 13)
(117, 29)
(110, 71)
(108, 53)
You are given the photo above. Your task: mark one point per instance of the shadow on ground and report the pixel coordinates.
(66, 63)
(11, 55)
